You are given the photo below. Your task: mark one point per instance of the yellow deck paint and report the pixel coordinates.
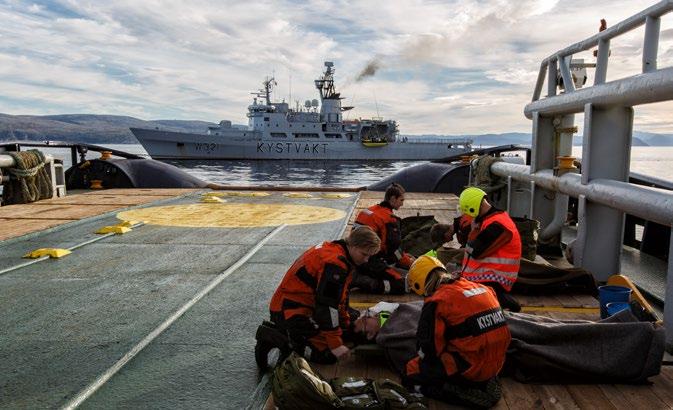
(53, 253)
(298, 195)
(335, 196)
(229, 215)
(235, 193)
(209, 199)
(115, 229)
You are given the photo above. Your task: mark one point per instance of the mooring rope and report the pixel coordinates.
(31, 182)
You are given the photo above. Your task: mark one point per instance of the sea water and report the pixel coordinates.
(653, 161)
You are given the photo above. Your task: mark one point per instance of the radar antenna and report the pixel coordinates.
(325, 84)
(265, 92)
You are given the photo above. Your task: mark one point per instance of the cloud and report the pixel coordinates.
(456, 66)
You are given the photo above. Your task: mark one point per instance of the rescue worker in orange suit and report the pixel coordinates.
(462, 337)
(493, 249)
(309, 309)
(382, 273)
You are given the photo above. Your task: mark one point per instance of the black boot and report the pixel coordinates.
(269, 337)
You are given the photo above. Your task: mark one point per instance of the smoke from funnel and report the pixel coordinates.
(369, 70)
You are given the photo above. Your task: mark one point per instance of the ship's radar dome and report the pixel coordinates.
(307, 103)
(314, 103)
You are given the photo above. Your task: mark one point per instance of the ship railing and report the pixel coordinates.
(443, 140)
(650, 17)
(541, 191)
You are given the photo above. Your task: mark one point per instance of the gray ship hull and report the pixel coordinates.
(176, 145)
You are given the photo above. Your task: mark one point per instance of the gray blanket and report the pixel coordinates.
(616, 350)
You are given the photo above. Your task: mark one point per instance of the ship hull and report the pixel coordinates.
(176, 145)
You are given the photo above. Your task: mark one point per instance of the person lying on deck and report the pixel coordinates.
(461, 340)
(492, 245)
(620, 349)
(309, 309)
(385, 272)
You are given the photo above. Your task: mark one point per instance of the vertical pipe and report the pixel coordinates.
(564, 65)
(606, 155)
(552, 73)
(509, 194)
(602, 61)
(540, 81)
(651, 43)
(668, 307)
(531, 208)
(73, 156)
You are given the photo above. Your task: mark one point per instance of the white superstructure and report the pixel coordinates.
(315, 131)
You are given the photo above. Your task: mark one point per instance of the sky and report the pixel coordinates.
(443, 67)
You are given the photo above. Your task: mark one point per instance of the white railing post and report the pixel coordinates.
(602, 61)
(552, 73)
(564, 66)
(651, 43)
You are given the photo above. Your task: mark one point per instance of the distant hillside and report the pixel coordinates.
(114, 129)
(485, 139)
(640, 139)
(95, 129)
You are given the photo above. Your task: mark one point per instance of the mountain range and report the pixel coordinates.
(114, 129)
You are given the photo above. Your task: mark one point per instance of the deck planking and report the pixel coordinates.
(658, 395)
(21, 219)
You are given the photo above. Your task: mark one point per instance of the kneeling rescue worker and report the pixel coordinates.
(493, 249)
(309, 310)
(380, 274)
(462, 338)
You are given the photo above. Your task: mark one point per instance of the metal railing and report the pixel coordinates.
(650, 17)
(604, 193)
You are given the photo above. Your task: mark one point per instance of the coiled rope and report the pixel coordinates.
(30, 181)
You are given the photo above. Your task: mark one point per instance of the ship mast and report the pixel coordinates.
(325, 84)
(265, 92)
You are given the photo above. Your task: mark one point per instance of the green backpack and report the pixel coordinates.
(295, 385)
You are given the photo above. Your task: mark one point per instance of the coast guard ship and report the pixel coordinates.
(275, 131)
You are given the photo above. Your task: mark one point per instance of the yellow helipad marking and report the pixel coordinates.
(335, 196)
(298, 195)
(209, 199)
(228, 215)
(243, 194)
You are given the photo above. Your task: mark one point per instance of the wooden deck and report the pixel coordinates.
(658, 395)
(18, 220)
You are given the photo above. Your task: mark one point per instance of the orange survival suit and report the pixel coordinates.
(492, 255)
(311, 302)
(378, 275)
(462, 336)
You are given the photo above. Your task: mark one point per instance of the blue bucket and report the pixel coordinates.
(615, 307)
(610, 293)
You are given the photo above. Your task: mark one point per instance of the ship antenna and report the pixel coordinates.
(377, 104)
(348, 113)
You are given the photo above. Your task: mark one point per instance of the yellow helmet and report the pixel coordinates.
(470, 201)
(419, 271)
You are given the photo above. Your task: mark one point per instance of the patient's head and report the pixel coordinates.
(367, 325)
